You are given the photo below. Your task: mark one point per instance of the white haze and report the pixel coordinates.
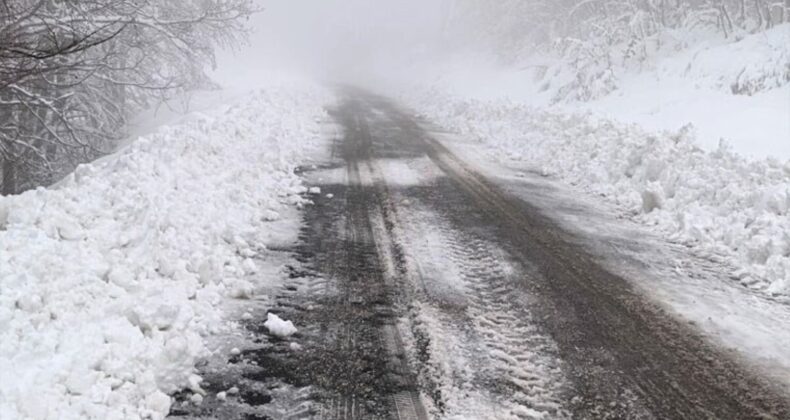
(337, 40)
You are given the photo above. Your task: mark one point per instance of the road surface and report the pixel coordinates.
(425, 291)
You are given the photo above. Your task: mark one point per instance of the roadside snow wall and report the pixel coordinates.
(110, 281)
(716, 201)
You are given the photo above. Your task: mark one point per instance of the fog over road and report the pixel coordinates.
(427, 291)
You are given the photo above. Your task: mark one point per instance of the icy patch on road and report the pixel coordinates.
(717, 202)
(112, 282)
(408, 172)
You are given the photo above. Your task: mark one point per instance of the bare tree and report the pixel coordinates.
(72, 71)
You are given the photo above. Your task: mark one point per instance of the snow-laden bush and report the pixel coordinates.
(762, 63)
(587, 71)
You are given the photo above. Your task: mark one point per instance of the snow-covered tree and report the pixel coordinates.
(72, 71)
(593, 37)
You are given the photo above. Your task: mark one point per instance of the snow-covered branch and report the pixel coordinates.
(71, 72)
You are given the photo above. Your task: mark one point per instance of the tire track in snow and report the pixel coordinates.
(468, 283)
(354, 356)
(514, 367)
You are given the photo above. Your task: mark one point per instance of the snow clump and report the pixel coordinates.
(278, 327)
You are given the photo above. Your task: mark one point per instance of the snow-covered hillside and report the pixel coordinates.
(736, 91)
(114, 279)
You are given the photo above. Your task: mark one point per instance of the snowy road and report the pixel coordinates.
(425, 291)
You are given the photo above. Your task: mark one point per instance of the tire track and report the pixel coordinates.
(514, 364)
(515, 370)
(377, 382)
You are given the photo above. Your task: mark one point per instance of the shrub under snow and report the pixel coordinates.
(589, 70)
(717, 201)
(110, 281)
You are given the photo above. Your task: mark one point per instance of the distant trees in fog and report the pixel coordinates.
(73, 71)
(593, 37)
(545, 21)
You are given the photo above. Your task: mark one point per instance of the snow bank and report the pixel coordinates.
(110, 282)
(716, 201)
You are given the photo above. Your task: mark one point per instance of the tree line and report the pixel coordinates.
(536, 23)
(592, 39)
(73, 71)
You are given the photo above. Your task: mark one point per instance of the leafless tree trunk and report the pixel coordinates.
(8, 184)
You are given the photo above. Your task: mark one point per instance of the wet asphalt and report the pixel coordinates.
(364, 354)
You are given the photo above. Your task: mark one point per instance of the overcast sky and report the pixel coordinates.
(333, 37)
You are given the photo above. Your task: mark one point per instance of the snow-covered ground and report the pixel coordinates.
(114, 281)
(689, 81)
(696, 86)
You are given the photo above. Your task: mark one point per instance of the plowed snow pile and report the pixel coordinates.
(717, 201)
(110, 282)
